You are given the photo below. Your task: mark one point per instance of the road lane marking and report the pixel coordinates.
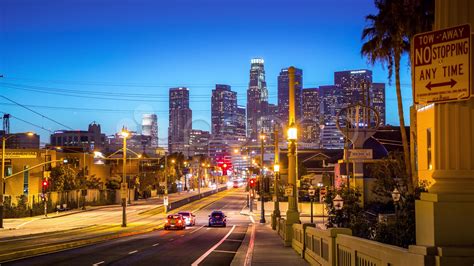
(197, 229)
(234, 240)
(208, 228)
(154, 245)
(171, 239)
(25, 223)
(248, 256)
(252, 219)
(196, 263)
(98, 263)
(131, 252)
(225, 251)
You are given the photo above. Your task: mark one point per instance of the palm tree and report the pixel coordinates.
(388, 37)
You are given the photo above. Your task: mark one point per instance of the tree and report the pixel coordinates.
(387, 37)
(63, 178)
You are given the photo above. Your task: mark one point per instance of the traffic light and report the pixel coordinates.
(44, 185)
(252, 183)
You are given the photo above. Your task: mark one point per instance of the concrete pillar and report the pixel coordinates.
(445, 215)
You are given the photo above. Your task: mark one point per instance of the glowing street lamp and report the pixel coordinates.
(292, 133)
(338, 202)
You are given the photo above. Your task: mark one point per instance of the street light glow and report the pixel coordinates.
(276, 168)
(124, 133)
(292, 133)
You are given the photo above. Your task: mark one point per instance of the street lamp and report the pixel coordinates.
(292, 213)
(276, 201)
(4, 141)
(311, 192)
(185, 163)
(124, 133)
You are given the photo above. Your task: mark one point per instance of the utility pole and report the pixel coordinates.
(262, 198)
(124, 178)
(4, 140)
(165, 197)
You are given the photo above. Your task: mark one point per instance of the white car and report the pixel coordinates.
(189, 217)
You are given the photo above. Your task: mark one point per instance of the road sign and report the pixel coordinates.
(165, 200)
(360, 154)
(441, 65)
(288, 191)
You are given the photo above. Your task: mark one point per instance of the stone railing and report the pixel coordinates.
(281, 227)
(353, 251)
(337, 246)
(320, 248)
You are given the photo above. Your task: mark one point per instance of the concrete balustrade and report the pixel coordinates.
(337, 246)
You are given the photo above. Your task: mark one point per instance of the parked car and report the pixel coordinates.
(175, 221)
(217, 218)
(189, 217)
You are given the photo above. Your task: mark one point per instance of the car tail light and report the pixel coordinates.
(168, 221)
(179, 221)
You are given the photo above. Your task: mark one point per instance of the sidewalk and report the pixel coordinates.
(263, 246)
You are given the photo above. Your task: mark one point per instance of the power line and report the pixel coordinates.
(24, 121)
(29, 109)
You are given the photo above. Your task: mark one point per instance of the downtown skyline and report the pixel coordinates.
(153, 73)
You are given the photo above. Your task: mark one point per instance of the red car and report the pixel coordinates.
(175, 221)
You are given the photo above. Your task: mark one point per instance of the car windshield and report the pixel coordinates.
(173, 216)
(184, 213)
(217, 214)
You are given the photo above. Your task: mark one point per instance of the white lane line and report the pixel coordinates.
(197, 229)
(225, 251)
(208, 228)
(252, 219)
(196, 263)
(131, 252)
(154, 245)
(171, 239)
(25, 223)
(98, 263)
(248, 256)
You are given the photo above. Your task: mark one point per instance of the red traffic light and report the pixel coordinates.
(45, 183)
(252, 183)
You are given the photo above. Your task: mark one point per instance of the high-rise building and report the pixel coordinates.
(180, 121)
(257, 97)
(311, 113)
(331, 104)
(150, 128)
(240, 129)
(377, 98)
(223, 111)
(283, 94)
(354, 85)
(199, 142)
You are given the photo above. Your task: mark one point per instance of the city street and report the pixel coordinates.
(198, 245)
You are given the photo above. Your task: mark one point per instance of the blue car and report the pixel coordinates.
(217, 218)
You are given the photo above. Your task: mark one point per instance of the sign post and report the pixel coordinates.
(441, 65)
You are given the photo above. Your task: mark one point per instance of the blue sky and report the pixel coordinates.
(98, 49)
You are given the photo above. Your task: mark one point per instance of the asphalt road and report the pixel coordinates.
(198, 245)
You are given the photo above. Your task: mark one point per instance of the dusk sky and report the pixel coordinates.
(109, 61)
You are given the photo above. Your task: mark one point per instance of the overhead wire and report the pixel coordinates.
(27, 122)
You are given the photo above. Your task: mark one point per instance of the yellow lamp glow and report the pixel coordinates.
(276, 168)
(124, 133)
(292, 133)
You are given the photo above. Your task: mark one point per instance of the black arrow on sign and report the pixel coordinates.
(441, 84)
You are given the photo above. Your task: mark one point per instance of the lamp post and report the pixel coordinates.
(262, 198)
(185, 183)
(124, 134)
(311, 192)
(276, 187)
(4, 142)
(292, 214)
(338, 203)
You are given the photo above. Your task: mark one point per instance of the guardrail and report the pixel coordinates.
(337, 246)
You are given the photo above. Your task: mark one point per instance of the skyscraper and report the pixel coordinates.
(331, 103)
(283, 96)
(354, 84)
(311, 114)
(240, 129)
(223, 111)
(377, 96)
(180, 120)
(257, 97)
(199, 142)
(150, 128)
